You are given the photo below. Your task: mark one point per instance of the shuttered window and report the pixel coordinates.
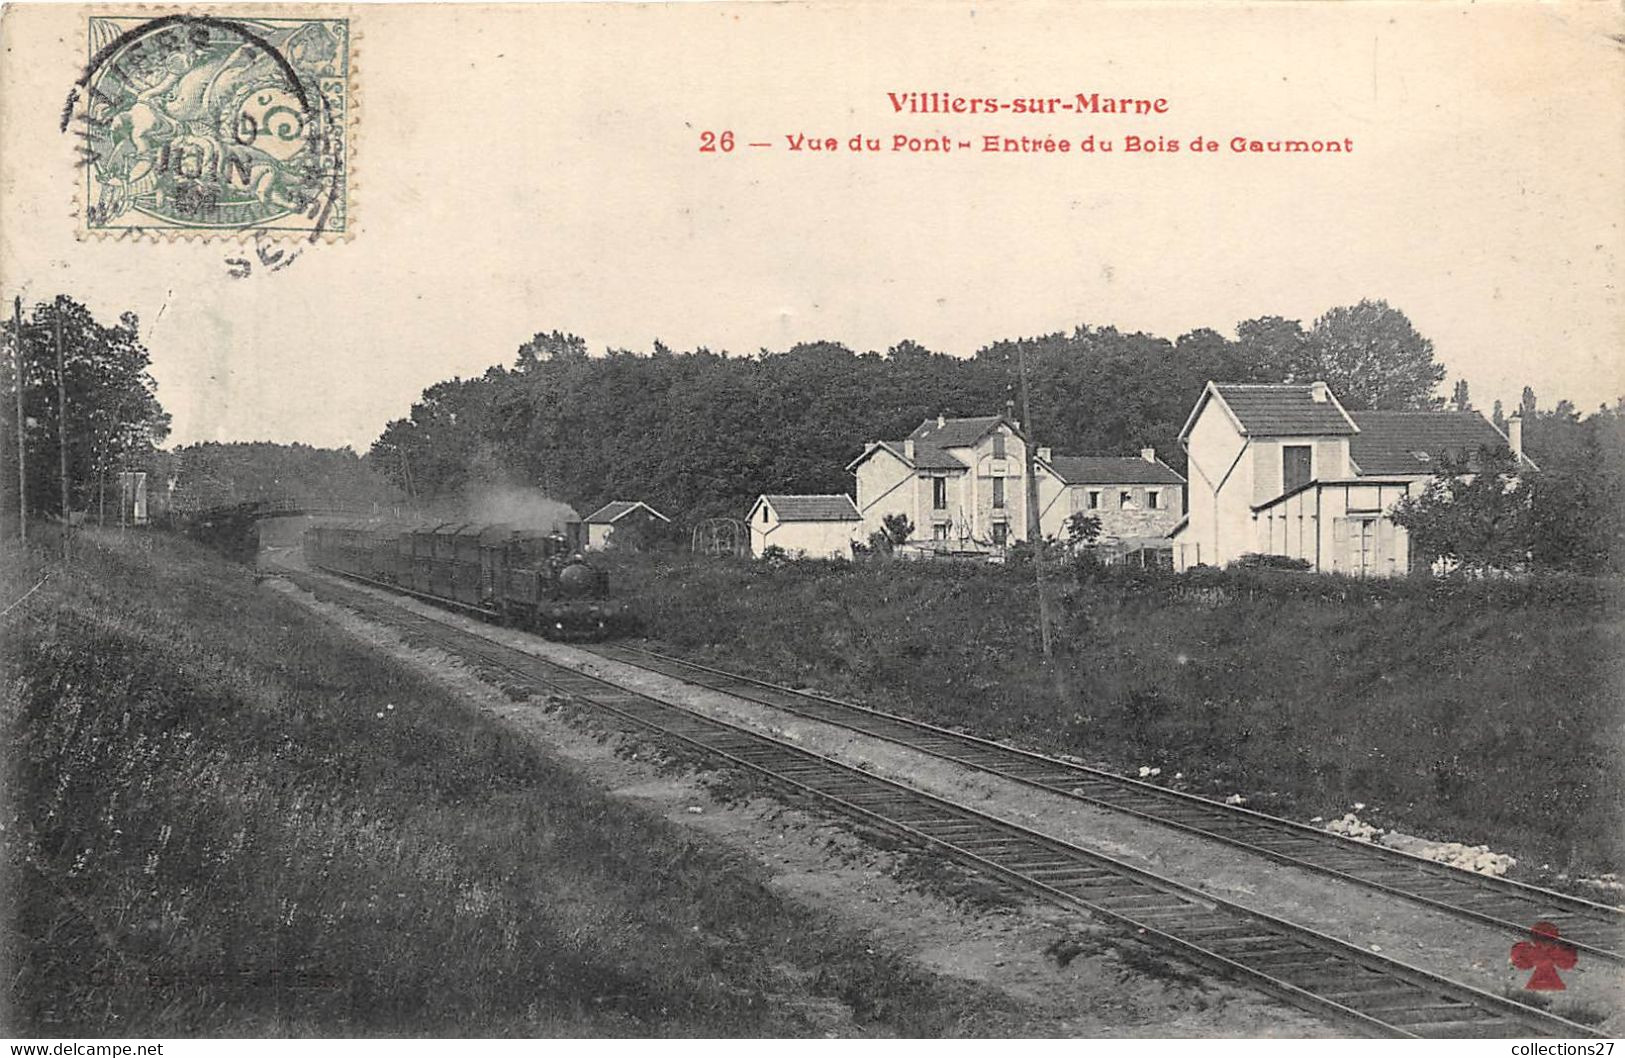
(1296, 464)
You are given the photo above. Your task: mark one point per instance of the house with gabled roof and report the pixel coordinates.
(602, 523)
(962, 483)
(1286, 470)
(1137, 499)
(804, 526)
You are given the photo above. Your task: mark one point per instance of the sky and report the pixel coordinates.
(529, 169)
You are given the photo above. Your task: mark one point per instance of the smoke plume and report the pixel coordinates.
(523, 508)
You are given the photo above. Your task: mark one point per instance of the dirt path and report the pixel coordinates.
(1067, 971)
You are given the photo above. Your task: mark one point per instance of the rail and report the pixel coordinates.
(1372, 993)
(1514, 907)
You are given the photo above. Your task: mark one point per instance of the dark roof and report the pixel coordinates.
(927, 456)
(1417, 442)
(1113, 470)
(837, 508)
(957, 433)
(1284, 410)
(614, 510)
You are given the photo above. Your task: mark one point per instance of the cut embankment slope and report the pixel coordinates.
(1487, 713)
(226, 818)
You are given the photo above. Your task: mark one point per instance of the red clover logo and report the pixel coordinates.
(1545, 954)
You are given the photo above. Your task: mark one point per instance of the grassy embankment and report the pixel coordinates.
(1484, 713)
(223, 818)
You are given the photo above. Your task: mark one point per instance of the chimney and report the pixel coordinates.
(1010, 410)
(1148, 454)
(942, 420)
(1515, 435)
(1319, 393)
(1044, 453)
(908, 449)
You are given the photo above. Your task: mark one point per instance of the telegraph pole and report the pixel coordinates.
(22, 472)
(62, 428)
(1034, 530)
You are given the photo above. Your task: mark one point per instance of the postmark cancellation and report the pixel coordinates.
(200, 126)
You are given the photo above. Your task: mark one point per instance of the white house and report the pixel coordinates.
(602, 523)
(963, 485)
(1137, 499)
(1286, 470)
(961, 482)
(805, 526)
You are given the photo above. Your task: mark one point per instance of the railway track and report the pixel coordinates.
(1591, 927)
(1370, 993)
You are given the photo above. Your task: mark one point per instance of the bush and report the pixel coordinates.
(1436, 699)
(1254, 560)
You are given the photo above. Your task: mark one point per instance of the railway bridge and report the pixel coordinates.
(240, 528)
(287, 507)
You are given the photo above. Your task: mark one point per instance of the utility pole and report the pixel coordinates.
(22, 473)
(1034, 531)
(62, 428)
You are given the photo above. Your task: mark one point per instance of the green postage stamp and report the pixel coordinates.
(193, 125)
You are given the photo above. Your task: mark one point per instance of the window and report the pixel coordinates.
(998, 494)
(1125, 499)
(939, 494)
(1153, 499)
(939, 531)
(1094, 499)
(1296, 463)
(1001, 534)
(998, 446)
(764, 514)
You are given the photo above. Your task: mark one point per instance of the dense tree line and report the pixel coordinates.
(212, 473)
(103, 398)
(701, 434)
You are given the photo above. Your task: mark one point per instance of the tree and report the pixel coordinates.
(1578, 498)
(1082, 529)
(217, 474)
(1498, 417)
(551, 346)
(1277, 350)
(898, 528)
(113, 420)
(909, 350)
(1475, 516)
(1373, 358)
(1527, 405)
(1460, 399)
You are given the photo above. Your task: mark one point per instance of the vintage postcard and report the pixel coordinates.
(812, 520)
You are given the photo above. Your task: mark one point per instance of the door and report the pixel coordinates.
(1365, 558)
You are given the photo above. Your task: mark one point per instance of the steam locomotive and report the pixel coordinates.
(519, 577)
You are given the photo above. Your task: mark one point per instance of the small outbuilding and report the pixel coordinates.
(805, 526)
(619, 514)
